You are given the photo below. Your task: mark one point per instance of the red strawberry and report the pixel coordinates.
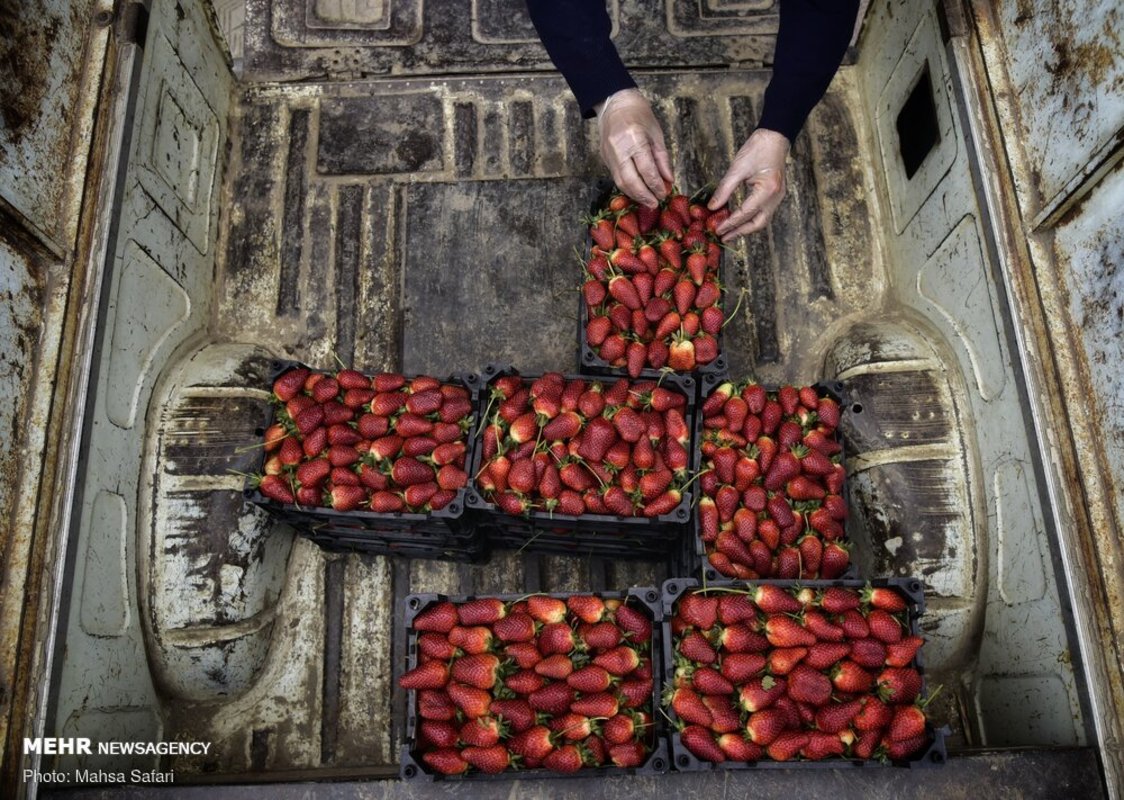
(517, 713)
(619, 661)
(535, 742)
(276, 488)
(884, 626)
(764, 726)
(788, 745)
(908, 723)
(774, 600)
(695, 647)
(435, 646)
(430, 675)
(899, 684)
(806, 685)
(834, 561)
(901, 654)
(623, 290)
(440, 617)
(837, 717)
(740, 667)
(884, 598)
(586, 607)
(903, 749)
(740, 638)
(689, 707)
(480, 670)
(635, 693)
(734, 608)
(573, 727)
(546, 609)
(346, 498)
(822, 655)
(783, 660)
(554, 698)
(628, 755)
(567, 758)
(556, 637)
(289, 384)
(439, 733)
(822, 745)
(635, 625)
(700, 742)
(698, 610)
(600, 635)
(854, 624)
(783, 631)
(483, 731)
(590, 679)
(601, 704)
(837, 599)
(874, 715)
(866, 742)
(474, 640)
(597, 330)
(738, 748)
(708, 680)
(851, 678)
(869, 653)
(828, 412)
(446, 761)
(491, 760)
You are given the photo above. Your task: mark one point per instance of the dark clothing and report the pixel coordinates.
(811, 42)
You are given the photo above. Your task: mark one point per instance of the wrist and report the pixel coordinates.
(616, 97)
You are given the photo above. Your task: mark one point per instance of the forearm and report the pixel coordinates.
(811, 43)
(576, 36)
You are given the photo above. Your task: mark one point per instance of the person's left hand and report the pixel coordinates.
(760, 164)
(632, 147)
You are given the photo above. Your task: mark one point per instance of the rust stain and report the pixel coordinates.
(27, 40)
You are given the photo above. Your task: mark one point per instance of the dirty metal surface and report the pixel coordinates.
(1025, 774)
(1069, 99)
(315, 39)
(42, 51)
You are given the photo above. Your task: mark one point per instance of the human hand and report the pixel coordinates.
(760, 165)
(632, 147)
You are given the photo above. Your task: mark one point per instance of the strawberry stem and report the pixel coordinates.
(734, 313)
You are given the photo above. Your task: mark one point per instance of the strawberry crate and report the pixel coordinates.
(541, 526)
(592, 359)
(763, 637)
(447, 532)
(752, 507)
(645, 753)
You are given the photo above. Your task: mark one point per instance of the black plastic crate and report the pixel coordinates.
(446, 534)
(630, 538)
(936, 754)
(589, 361)
(414, 769)
(692, 555)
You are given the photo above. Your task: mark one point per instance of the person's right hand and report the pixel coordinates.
(632, 147)
(760, 165)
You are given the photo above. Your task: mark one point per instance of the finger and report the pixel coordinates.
(725, 188)
(663, 158)
(757, 223)
(750, 208)
(630, 182)
(646, 167)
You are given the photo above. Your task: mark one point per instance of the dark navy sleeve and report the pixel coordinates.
(576, 36)
(811, 42)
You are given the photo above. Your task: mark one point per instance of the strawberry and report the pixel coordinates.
(546, 609)
(628, 755)
(435, 646)
(483, 731)
(590, 679)
(908, 722)
(900, 750)
(435, 705)
(440, 617)
(884, 626)
(567, 758)
(572, 727)
(874, 715)
(276, 488)
(854, 624)
(837, 717)
(439, 733)
(600, 635)
(474, 640)
(698, 610)
(480, 670)
(709, 681)
(620, 728)
(899, 684)
(851, 678)
(700, 742)
(740, 667)
(601, 704)
(783, 660)
(788, 745)
(865, 744)
(556, 637)
(290, 383)
(445, 761)
(901, 654)
(834, 561)
(822, 745)
(471, 701)
(695, 647)
(806, 685)
(836, 600)
(534, 742)
(634, 624)
(586, 607)
(623, 290)
(524, 653)
(635, 693)
(740, 638)
(783, 631)
(517, 713)
(869, 653)
(828, 412)
(554, 698)
(884, 598)
(774, 600)
(430, 675)
(737, 748)
(491, 760)
(619, 661)
(688, 706)
(822, 655)
(764, 726)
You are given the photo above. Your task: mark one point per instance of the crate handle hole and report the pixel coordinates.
(683, 761)
(856, 408)
(454, 507)
(915, 586)
(413, 603)
(259, 431)
(410, 771)
(657, 764)
(672, 588)
(651, 596)
(681, 513)
(936, 757)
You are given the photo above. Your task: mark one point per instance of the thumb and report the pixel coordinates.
(722, 193)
